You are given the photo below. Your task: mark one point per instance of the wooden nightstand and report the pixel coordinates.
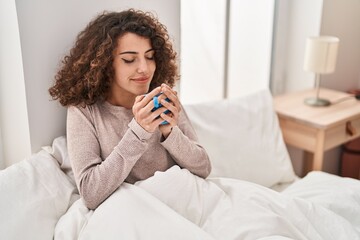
(317, 129)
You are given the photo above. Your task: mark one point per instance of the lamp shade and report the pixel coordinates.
(321, 54)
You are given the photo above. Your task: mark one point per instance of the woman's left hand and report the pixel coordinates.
(173, 106)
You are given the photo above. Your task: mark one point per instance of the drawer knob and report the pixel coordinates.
(350, 129)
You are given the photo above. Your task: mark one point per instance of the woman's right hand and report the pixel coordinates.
(142, 111)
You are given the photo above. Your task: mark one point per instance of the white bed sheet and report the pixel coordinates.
(178, 205)
(279, 187)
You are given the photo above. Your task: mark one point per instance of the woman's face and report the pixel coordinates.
(134, 67)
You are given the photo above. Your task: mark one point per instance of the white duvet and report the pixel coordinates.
(178, 205)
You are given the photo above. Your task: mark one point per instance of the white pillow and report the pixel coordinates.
(35, 193)
(243, 138)
(59, 151)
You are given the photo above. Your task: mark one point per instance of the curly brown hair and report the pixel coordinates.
(87, 71)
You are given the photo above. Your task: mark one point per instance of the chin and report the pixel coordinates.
(142, 91)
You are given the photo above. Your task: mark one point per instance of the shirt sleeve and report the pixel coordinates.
(95, 177)
(185, 150)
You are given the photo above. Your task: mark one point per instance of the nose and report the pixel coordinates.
(142, 66)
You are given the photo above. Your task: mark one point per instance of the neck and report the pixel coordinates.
(123, 100)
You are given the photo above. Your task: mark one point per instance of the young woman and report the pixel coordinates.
(119, 63)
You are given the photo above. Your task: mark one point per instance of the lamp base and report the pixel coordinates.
(317, 102)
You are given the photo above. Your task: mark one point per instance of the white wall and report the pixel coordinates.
(47, 31)
(14, 127)
(342, 19)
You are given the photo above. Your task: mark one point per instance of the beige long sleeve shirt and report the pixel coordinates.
(107, 147)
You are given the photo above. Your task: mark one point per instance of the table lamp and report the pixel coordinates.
(320, 58)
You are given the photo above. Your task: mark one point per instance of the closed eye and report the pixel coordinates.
(128, 61)
(150, 57)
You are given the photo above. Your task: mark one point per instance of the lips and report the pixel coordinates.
(141, 79)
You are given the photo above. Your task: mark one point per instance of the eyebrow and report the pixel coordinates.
(133, 52)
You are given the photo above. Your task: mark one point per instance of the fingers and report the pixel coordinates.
(149, 118)
(173, 109)
(172, 95)
(139, 98)
(169, 118)
(147, 98)
(142, 110)
(144, 103)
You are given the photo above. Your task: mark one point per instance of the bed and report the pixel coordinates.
(251, 193)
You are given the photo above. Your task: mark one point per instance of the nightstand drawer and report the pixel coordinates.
(297, 134)
(342, 133)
